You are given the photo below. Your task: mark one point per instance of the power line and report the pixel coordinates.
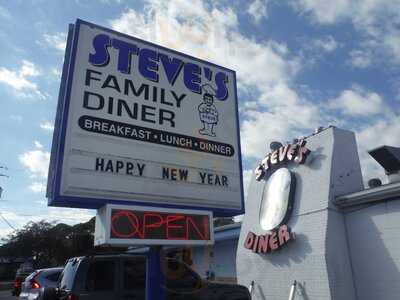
(5, 220)
(53, 218)
(11, 169)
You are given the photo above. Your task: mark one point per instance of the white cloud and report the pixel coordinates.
(28, 69)
(246, 180)
(5, 14)
(246, 183)
(365, 14)
(4, 232)
(327, 44)
(38, 187)
(360, 58)
(281, 115)
(57, 41)
(276, 111)
(211, 35)
(70, 215)
(38, 144)
(325, 12)
(61, 215)
(392, 43)
(315, 50)
(358, 102)
(12, 218)
(48, 126)
(376, 20)
(56, 72)
(382, 132)
(36, 161)
(262, 128)
(266, 68)
(385, 131)
(15, 80)
(258, 10)
(20, 80)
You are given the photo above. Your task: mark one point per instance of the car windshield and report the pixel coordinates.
(68, 275)
(53, 276)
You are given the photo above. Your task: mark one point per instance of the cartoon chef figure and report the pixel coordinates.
(207, 111)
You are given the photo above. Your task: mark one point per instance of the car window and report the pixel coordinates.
(68, 275)
(54, 276)
(100, 276)
(31, 276)
(134, 274)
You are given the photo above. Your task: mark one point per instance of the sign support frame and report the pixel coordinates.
(155, 278)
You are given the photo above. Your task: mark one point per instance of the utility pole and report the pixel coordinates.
(3, 175)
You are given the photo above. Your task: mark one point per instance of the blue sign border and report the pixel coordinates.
(58, 145)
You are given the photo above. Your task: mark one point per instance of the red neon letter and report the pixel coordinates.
(132, 220)
(170, 220)
(263, 244)
(248, 242)
(203, 235)
(273, 241)
(148, 224)
(283, 234)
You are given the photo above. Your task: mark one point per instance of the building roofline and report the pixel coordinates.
(381, 193)
(228, 227)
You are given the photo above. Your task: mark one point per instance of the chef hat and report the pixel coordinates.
(208, 89)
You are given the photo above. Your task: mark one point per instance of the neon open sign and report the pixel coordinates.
(128, 224)
(122, 225)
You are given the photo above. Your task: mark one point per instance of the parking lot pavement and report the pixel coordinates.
(6, 295)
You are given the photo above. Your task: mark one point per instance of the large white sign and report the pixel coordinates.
(146, 125)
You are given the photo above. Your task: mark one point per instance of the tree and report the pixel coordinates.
(49, 244)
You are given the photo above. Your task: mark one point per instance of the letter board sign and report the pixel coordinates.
(124, 225)
(140, 124)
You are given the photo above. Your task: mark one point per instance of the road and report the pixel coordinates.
(6, 295)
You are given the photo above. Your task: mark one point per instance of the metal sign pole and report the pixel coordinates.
(292, 290)
(155, 277)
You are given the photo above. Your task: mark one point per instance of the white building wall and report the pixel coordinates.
(374, 238)
(318, 258)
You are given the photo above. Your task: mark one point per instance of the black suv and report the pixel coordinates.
(118, 277)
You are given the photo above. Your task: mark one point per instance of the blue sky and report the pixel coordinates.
(300, 64)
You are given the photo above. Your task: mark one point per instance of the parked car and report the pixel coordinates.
(117, 277)
(20, 277)
(33, 286)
